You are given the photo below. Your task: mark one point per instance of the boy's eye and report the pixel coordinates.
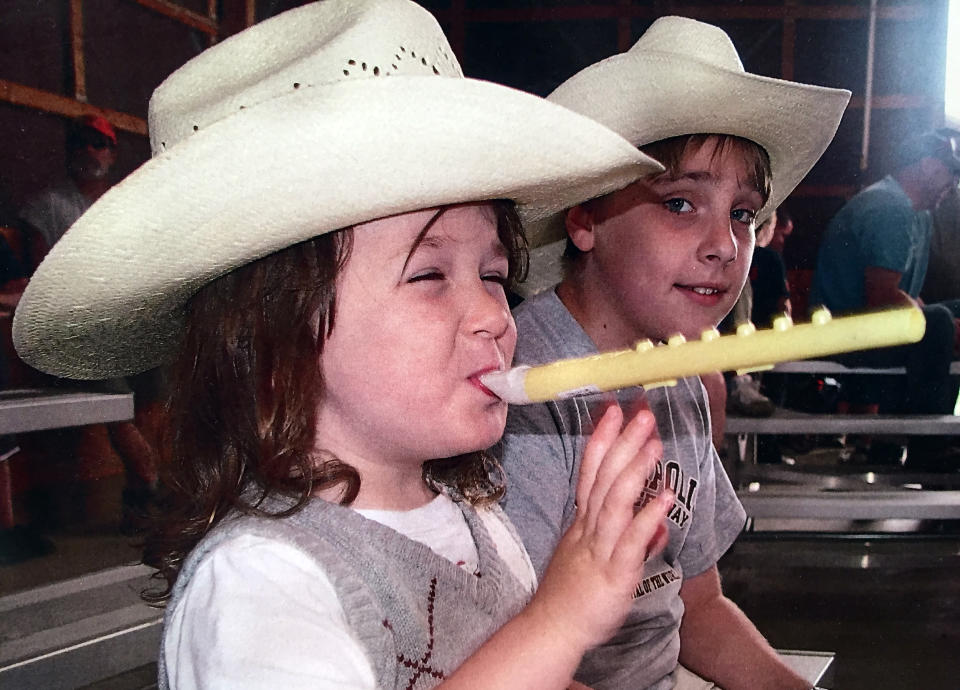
(742, 215)
(678, 205)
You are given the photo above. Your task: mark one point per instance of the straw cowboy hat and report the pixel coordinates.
(325, 116)
(685, 77)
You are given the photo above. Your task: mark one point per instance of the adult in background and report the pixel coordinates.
(91, 153)
(91, 150)
(943, 272)
(874, 255)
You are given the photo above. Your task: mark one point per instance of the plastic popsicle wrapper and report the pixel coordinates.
(749, 349)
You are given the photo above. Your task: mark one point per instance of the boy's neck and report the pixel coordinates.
(603, 325)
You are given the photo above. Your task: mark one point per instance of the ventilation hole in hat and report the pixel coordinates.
(195, 128)
(413, 54)
(296, 85)
(394, 66)
(423, 60)
(242, 107)
(363, 66)
(435, 70)
(402, 49)
(346, 72)
(398, 57)
(351, 62)
(376, 71)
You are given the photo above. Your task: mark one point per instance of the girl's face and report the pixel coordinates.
(418, 320)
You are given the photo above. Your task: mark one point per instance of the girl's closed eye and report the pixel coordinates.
(499, 277)
(429, 274)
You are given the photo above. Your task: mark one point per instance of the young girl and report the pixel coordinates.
(312, 246)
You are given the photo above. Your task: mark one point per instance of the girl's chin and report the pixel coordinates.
(477, 442)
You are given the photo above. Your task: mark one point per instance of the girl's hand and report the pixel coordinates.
(588, 587)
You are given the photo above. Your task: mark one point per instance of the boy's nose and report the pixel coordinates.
(719, 242)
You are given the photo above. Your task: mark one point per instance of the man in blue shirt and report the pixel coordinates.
(874, 255)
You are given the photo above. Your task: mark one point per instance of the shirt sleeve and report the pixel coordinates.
(260, 614)
(718, 516)
(885, 238)
(542, 469)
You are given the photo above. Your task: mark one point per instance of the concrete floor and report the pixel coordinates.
(888, 607)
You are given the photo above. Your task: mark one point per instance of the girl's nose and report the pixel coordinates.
(488, 313)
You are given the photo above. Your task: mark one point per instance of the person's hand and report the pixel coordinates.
(588, 587)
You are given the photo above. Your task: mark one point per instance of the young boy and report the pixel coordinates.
(668, 254)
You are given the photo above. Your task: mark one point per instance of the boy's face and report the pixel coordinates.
(417, 323)
(670, 254)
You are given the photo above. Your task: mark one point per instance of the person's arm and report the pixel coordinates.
(881, 288)
(261, 614)
(587, 589)
(719, 643)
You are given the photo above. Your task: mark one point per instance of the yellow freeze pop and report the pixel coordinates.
(651, 365)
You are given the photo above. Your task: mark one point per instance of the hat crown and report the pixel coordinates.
(691, 40)
(321, 43)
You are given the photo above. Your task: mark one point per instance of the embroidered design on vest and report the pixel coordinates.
(422, 666)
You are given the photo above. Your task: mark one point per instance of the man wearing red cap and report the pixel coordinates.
(91, 153)
(91, 148)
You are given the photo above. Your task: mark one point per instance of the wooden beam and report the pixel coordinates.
(77, 61)
(913, 10)
(212, 16)
(624, 29)
(894, 101)
(169, 9)
(788, 46)
(28, 97)
(458, 29)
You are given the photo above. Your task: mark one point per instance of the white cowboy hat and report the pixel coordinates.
(685, 77)
(325, 116)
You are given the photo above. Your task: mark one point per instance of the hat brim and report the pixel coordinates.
(108, 300)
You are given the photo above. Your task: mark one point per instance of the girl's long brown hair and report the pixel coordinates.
(244, 391)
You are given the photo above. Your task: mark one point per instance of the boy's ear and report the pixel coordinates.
(579, 223)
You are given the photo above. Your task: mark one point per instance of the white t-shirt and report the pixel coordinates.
(54, 210)
(258, 613)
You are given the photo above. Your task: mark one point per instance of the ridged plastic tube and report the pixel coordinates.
(749, 349)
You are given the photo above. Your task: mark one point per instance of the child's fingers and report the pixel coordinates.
(659, 541)
(616, 512)
(618, 456)
(635, 405)
(600, 441)
(646, 535)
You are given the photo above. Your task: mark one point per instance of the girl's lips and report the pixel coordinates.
(475, 380)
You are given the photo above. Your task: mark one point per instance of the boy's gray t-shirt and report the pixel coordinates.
(542, 448)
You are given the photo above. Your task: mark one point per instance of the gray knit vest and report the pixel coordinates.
(418, 615)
